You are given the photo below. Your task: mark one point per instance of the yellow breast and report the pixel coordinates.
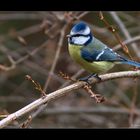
(93, 67)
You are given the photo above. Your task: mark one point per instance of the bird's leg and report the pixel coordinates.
(86, 79)
(96, 76)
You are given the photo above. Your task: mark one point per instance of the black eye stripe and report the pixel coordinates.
(77, 35)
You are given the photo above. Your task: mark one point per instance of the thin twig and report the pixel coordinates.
(124, 31)
(60, 44)
(22, 59)
(26, 123)
(64, 91)
(36, 85)
(41, 70)
(81, 15)
(114, 31)
(128, 41)
(73, 77)
(78, 110)
(129, 18)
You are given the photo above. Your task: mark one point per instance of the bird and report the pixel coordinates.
(92, 54)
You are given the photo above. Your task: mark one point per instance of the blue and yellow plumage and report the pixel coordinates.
(93, 55)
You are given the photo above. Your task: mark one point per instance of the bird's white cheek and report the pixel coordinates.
(80, 40)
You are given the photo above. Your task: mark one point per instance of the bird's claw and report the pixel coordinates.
(86, 79)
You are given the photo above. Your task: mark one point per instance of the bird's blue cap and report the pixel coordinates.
(80, 28)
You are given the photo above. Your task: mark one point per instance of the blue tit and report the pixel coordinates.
(92, 54)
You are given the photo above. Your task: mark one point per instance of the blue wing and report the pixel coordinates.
(105, 54)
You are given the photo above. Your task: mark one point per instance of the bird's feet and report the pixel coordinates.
(86, 79)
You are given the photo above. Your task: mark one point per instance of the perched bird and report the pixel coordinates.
(93, 55)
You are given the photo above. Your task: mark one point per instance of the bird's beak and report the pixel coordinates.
(68, 36)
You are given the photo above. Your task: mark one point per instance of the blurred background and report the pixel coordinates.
(35, 43)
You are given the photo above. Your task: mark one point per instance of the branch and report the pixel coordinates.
(128, 41)
(124, 31)
(90, 110)
(62, 33)
(22, 59)
(64, 91)
(73, 77)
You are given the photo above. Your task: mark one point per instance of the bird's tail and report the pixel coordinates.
(130, 62)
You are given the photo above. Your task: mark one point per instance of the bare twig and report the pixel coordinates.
(41, 70)
(81, 15)
(14, 63)
(70, 16)
(73, 77)
(60, 44)
(87, 87)
(128, 41)
(26, 123)
(123, 97)
(98, 98)
(77, 110)
(67, 77)
(36, 84)
(3, 116)
(29, 30)
(61, 92)
(114, 31)
(129, 17)
(125, 31)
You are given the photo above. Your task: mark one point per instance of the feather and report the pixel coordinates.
(94, 55)
(130, 62)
